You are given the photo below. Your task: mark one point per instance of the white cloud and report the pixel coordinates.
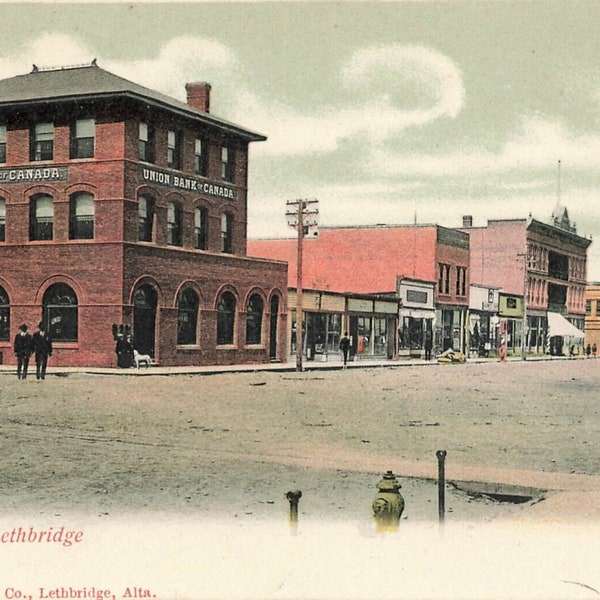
(380, 79)
(537, 144)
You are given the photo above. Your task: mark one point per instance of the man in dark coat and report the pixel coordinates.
(22, 348)
(42, 346)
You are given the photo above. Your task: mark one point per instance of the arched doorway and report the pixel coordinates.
(145, 301)
(273, 328)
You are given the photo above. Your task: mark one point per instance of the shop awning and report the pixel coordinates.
(558, 325)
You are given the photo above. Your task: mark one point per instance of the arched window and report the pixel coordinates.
(41, 217)
(187, 317)
(174, 224)
(4, 315)
(201, 229)
(146, 206)
(60, 312)
(227, 233)
(81, 216)
(226, 318)
(254, 318)
(2, 220)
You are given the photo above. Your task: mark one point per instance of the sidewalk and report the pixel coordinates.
(283, 367)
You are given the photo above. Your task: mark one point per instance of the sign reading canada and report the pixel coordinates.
(33, 174)
(187, 184)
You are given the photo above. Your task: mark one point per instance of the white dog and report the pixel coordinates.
(141, 359)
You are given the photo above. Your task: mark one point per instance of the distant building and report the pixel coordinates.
(540, 269)
(371, 260)
(592, 314)
(124, 210)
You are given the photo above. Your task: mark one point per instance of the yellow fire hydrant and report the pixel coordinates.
(388, 504)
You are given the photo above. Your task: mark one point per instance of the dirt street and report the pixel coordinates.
(231, 445)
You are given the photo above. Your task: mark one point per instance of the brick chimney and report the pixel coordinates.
(467, 221)
(198, 95)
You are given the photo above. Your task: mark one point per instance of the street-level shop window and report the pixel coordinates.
(226, 319)
(83, 136)
(173, 149)
(146, 142)
(254, 320)
(81, 216)
(201, 228)
(187, 317)
(227, 233)
(227, 160)
(174, 224)
(2, 220)
(60, 312)
(200, 157)
(146, 208)
(4, 315)
(2, 143)
(42, 147)
(41, 217)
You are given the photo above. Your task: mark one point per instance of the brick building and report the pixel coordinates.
(592, 313)
(122, 206)
(375, 260)
(540, 269)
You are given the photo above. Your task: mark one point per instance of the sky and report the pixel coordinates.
(385, 112)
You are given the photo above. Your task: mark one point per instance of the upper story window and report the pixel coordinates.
(81, 216)
(200, 157)
(146, 141)
(145, 218)
(83, 136)
(227, 162)
(2, 220)
(227, 233)
(41, 217)
(42, 147)
(444, 279)
(2, 143)
(174, 224)
(461, 281)
(201, 229)
(174, 149)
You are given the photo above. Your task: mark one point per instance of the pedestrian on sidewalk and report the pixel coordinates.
(42, 347)
(588, 351)
(345, 347)
(594, 349)
(502, 351)
(22, 348)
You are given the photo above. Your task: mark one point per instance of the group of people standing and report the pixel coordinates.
(38, 344)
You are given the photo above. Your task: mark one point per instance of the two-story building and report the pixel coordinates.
(381, 261)
(540, 269)
(122, 209)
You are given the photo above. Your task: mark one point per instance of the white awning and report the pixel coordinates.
(558, 325)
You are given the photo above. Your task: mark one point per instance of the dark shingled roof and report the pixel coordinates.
(91, 81)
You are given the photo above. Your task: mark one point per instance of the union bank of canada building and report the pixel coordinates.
(123, 210)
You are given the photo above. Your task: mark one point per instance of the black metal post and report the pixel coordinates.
(441, 456)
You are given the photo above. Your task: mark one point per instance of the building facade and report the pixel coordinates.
(370, 260)
(125, 210)
(592, 314)
(540, 269)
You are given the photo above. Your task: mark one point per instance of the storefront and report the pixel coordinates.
(370, 321)
(417, 317)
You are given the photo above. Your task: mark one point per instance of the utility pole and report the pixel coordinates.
(301, 214)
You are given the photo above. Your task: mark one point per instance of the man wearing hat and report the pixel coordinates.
(42, 346)
(23, 349)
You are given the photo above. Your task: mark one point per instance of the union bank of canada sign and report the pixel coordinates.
(187, 184)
